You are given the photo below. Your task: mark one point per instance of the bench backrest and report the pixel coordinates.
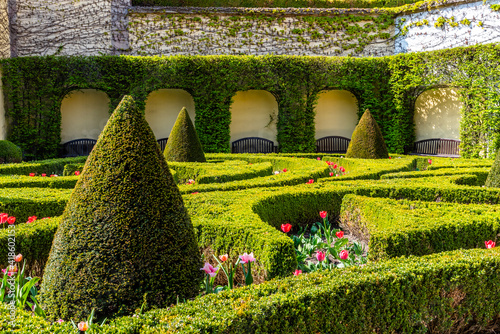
(253, 145)
(332, 144)
(78, 147)
(437, 146)
(163, 143)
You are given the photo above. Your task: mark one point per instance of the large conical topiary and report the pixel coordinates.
(183, 144)
(367, 141)
(493, 179)
(125, 235)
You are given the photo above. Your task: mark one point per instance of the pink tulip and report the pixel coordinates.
(331, 173)
(83, 326)
(223, 258)
(297, 272)
(60, 321)
(210, 270)
(320, 256)
(318, 158)
(429, 161)
(489, 244)
(340, 234)
(18, 258)
(323, 214)
(247, 258)
(344, 254)
(195, 193)
(286, 227)
(43, 174)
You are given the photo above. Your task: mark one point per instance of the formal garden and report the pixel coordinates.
(134, 234)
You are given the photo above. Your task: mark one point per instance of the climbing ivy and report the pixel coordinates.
(389, 86)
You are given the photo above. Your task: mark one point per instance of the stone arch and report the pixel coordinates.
(336, 113)
(254, 113)
(163, 107)
(437, 114)
(84, 113)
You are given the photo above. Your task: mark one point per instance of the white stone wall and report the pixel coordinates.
(162, 32)
(4, 30)
(68, 27)
(464, 25)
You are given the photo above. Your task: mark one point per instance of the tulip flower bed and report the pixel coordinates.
(248, 216)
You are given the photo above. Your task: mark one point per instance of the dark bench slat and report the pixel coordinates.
(163, 143)
(332, 144)
(437, 147)
(253, 145)
(78, 147)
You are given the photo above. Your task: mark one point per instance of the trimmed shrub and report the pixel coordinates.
(9, 152)
(183, 144)
(493, 179)
(125, 236)
(367, 141)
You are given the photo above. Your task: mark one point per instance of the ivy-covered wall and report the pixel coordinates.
(35, 86)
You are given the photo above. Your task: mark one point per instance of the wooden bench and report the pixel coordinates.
(163, 143)
(253, 145)
(77, 147)
(332, 144)
(436, 147)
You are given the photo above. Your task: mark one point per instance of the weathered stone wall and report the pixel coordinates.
(177, 31)
(68, 27)
(449, 27)
(4, 30)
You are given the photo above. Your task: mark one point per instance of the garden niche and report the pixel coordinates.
(183, 144)
(367, 141)
(125, 236)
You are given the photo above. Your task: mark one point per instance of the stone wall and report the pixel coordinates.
(449, 27)
(4, 30)
(178, 31)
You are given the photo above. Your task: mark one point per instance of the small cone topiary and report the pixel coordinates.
(367, 141)
(183, 144)
(493, 179)
(125, 236)
(9, 152)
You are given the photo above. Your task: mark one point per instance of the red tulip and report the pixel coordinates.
(297, 272)
(342, 169)
(43, 174)
(335, 166)
(77, 172)
(3, 218)
(429, 161)
(286, 227)
(489, 244)
(323, 214)
(223, 258)
(32, 174)
(331, 173)
(31, 219)
(310, 181)
(390, 158)
(340, 234)
(18, 258)
(11, 220)
(196, 192)
(344, 254)
(285, 170)
(320, 256)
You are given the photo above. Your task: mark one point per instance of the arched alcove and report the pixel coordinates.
(336, 114)
(163, 107)
(254, 113)
(437, 114)
(84, 114)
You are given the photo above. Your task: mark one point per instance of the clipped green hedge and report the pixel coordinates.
(9, 152)
(50, 166)
(445, 292)
(21, 181)
(394, 228)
